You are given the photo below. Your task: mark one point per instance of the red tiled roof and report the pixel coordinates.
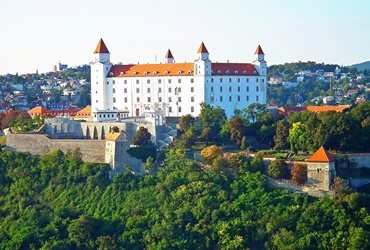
(168, 54)
(259, 51)
(166, 69)
(321, 155)
(234, 69)
(101, 48)
(316, 109)
(202, 49)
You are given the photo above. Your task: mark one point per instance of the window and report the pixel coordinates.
(114, 99)
(230, 89)
(149, 100)
(220, 79)
(212, 99)
(220, 89)
(257, 98)
(179, 109)
(124, 90)
(170, 99)
(137, 99)
(218, 71)
(192, 109)
(179, 72)
(159, 90)
(114, 90)
(96, 101)
(247, 79)
(211, 89)
(263, 80)
(257, 80)
(179, 90)
(247, 89)
(134, 73)
(192, 89)
(159, 81)
(137, 90)
(238, 88)
(238, 98)
(227, 71)
(107, 82)
(189, 72)
(257, 88)
(114, 81)
(179, 80)
(125, 99)
(236, 72)
(229, 79)
(179, 99)
(160, 99)
(220, 98)
(192, 99)
(170, 109)
(97, 83)
(148, 90)
(155, 72)
(137, 81)
(148, 81)
(191, 80)
(169, 80)
(247, 98)
(96, 92)
(211, 79)
(125, 82)
(238, 79)
(230, 98)
(169, 90)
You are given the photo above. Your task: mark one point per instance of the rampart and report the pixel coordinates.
(92, 150)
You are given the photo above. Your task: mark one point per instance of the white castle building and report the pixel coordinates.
(176, 89)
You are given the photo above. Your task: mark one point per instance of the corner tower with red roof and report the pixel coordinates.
(321, 170)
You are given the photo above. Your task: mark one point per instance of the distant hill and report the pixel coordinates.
(361, 66)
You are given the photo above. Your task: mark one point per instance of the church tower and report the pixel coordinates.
(202, 65)
(169, 57)
(100, 68)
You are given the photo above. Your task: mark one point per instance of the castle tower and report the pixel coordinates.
(202, 65)
(321, 169)
(259, 61)
(100, 68)
(169, 57)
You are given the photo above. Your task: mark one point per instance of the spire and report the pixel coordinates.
(202, 49)
(101, 48)
(321, 155)
(259, 51)
(168, 54)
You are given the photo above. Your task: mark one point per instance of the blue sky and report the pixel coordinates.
(38, 34)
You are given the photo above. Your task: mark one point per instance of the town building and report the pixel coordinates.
(176, 89)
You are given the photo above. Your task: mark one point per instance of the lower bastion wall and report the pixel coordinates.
(92, 150)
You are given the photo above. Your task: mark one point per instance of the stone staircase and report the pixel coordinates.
(166, 137)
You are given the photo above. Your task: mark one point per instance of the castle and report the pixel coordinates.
(177, 89)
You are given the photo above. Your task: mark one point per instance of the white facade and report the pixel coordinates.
(176, 89)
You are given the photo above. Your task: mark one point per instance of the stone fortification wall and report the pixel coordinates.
(362, 160)
(63, 128)
(92, 150)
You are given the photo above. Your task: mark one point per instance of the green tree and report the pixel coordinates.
(210, 153)
(298, 137)
(237, 130)
(149, 164)
(282, 133)
(186, 122)
(257, 163)
(278, 169)
(142, 137)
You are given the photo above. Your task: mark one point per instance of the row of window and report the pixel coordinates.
(179, 99)
(148, 81)
(212, 100)
(170, 109)
(231, 89)
(230, 80)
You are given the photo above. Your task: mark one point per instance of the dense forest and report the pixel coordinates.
(59, 202)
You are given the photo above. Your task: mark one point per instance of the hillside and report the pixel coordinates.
(59, 202)
(361, 66)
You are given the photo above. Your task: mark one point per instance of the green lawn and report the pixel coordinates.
(3, 140)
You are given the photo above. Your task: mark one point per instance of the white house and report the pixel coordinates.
(176, 89)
